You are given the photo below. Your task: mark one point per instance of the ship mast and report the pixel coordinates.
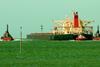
(7, 28)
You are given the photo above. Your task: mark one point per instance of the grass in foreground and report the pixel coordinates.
(41, 53)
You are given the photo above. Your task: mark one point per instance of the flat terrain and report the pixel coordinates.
(43, 53)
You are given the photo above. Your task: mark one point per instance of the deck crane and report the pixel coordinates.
(84, 24)
(62, 26)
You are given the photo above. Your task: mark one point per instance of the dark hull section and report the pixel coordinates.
(88, 36)
(7, 37)
(70, 37)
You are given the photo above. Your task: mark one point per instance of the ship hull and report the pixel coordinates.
(70, 37)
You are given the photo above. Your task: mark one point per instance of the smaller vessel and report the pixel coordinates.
(7, 36)
(97, 35)
(80, 37)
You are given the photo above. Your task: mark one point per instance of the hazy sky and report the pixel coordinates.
(30, 14)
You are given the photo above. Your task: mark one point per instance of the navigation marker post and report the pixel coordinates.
(20, 39)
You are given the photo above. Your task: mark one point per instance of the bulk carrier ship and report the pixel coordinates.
(75, 29)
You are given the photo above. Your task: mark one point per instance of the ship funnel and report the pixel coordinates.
(76, 22)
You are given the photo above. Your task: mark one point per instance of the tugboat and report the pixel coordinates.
(81, 37)
(97, 35)
(7, 36)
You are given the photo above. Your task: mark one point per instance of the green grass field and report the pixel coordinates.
(43, 53)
